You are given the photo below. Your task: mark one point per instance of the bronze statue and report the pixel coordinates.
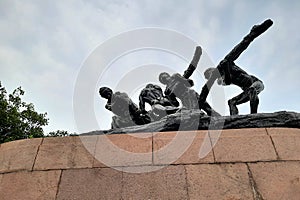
(161, 106)
(126, 111)
(180, 86)
(186, 74)
(227, 72)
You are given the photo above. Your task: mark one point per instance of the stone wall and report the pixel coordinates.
(244, 164)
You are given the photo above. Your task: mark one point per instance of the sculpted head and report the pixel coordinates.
(150, 85)
(164, 78)
(105, 92)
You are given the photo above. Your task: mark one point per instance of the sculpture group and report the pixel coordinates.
(163, 103)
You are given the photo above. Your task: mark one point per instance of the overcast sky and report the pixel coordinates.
(45, 43)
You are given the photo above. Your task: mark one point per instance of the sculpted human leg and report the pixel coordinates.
(241, 98)
(253, 91)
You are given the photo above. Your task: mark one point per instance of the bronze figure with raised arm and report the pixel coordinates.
(180, 86)
(165, 103)
(227, 73)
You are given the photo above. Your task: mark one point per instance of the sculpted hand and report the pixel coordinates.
(197, 55)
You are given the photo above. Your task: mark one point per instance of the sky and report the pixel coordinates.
(45, 45)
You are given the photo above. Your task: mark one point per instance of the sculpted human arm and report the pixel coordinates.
(193, 65)
(254, 33)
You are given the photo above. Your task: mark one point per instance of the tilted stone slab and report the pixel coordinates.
(65, 153)
(287, 142)
(277, 180)
(244, 145)
(29, 185)
(224, 181)
(123, 150)
(182, 147)
(97, 183)
(166, 183)
(18, 155)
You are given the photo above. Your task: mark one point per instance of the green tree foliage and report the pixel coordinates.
(60, 133)
(18, 119)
